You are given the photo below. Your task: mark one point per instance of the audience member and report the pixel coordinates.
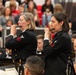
(13, 9)
(7, 3)
(35, 6)
(32, 10)
(24, 4)
(58, 8)
(6, 15)
(9, 23)
(47, 10)
(1, 7)
(21, 10)
(34, 66)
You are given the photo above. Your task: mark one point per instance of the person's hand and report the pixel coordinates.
(49, 13)
(13, 30)
(47, 33)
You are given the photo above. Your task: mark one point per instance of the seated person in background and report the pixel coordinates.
(34, 66)
(25, 4)
(58, 8)
(39, 50)
(32, 10)
(35, 6)
(14, 11)
(47, 10)
(1, 7)
(3, 18)
(7, 3)
(6, 15)
(21, 10)
(9, 23)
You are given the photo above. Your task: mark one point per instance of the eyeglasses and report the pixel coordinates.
(25, 67)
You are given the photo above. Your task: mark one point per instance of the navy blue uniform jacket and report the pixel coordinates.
(56, 54)
(23, 45)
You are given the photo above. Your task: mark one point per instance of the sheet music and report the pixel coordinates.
(9, 71)
(2, 72)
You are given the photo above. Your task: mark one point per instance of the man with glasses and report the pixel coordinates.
(34, 66)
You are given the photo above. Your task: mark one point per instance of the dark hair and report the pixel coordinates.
(29, 2)
(9, 20)
(5, 10)
(47, 0)
(62, 17)
(35, 65)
